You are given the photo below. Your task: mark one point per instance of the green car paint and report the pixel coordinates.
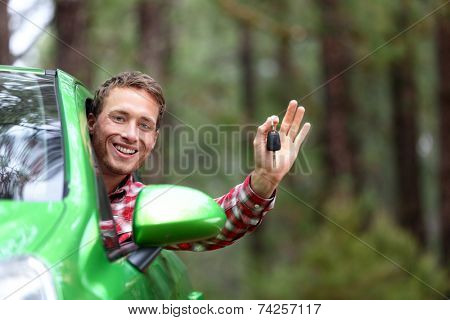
(64, 235)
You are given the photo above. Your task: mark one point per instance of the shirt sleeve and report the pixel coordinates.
(244, 209)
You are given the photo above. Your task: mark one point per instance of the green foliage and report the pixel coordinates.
(347, 259)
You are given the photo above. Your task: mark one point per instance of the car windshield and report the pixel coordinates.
(31, 151)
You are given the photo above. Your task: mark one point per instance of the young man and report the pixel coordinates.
(124, 126)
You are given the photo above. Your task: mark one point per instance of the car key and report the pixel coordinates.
(273, 142)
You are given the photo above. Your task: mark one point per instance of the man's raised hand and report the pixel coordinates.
(266, 176)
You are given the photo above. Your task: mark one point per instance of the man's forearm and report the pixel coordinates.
(244, 208)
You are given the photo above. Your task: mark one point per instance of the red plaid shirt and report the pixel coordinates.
(243, 207)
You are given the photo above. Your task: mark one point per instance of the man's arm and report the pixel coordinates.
(244, 210)
(246, 204)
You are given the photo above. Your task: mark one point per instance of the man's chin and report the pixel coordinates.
(120, 170)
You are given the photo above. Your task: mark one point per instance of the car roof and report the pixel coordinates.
(47, 72)
(25, 69)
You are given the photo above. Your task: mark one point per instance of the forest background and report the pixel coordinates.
(365, 211)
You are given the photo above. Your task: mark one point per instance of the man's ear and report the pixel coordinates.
(91, 120)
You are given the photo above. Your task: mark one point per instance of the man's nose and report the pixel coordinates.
(131, 132)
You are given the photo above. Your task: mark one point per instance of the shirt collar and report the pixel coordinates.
(122, 188)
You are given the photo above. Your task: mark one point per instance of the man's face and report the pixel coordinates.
(124, 133)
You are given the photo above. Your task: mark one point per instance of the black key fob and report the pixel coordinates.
(273, 141)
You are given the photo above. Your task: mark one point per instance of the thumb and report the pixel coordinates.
(266, 127)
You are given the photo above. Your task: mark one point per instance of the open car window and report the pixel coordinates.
(31, 149)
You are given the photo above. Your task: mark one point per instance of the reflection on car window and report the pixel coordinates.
(31, 151)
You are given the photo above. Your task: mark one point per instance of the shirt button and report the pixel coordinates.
(257, 206)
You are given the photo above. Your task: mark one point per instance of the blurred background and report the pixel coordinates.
(365, 212)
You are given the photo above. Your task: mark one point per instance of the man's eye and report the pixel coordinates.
(145, 127)
(118, 119)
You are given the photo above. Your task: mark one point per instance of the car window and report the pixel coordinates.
(31, 150)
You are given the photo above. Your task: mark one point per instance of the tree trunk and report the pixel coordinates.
(405, 131)
(5, 54)
(248, 84)
(337, 55)
(155, 38)
(443, 36)
(286, 85)
(286, 78)
(71, 20)
(248, 72)
(405, 140)
(155, 53)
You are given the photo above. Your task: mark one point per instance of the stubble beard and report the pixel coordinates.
(108, 167)
(103, 158)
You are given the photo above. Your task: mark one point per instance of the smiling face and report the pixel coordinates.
(124, 133)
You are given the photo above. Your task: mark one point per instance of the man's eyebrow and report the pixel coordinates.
(148, 119)
(119, 111)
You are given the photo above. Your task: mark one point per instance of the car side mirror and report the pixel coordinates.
(169, 214)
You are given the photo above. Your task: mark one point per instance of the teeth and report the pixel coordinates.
(125, 150)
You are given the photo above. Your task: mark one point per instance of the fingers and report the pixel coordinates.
(264, 129)
(293, 131)
(289, 127)
(302, 135)
(288, 117)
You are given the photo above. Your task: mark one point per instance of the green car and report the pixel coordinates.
(57, 233)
